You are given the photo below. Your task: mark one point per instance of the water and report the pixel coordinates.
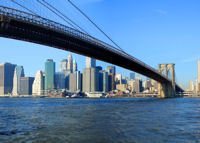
(138, 120)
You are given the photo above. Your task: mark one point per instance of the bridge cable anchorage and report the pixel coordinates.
(72, 22)
(25, 8)
(57, 14)
(95, 25)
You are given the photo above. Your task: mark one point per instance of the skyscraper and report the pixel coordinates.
(26, 84)
(111, 69)
(74, 66)
(38, 84)
(111, 77)
(19, 72)
(60, 80)
(90, 62)
(111, 82)
(90, 80)
(132, 75)
(135, 85)
(70, 63)
(103, 81)
(63, 65)
(75, 81)
(15, 85)
(90, 76)
(6, 78)
(49, 74)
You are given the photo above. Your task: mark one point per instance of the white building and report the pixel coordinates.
(38, 84)
(15, 85)
(70, 63)
(90, 62)
(191, 86)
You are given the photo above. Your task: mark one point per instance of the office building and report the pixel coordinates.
(18, 73)
(26, 84)
(63, 65)
(147, 84)
(70, 63)
(90, 62)
(103, 81)
(111, 69)
(6, 78)
(135, 85)
(90, 76)
(111, 82)
(49, 74)
(118, 78)
(90, 80)
(38, 84)
(75, 81)
(132, 75)
(74, 66)
(99, 68)
(60, 80)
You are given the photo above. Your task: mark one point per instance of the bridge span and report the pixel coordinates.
(24, 26)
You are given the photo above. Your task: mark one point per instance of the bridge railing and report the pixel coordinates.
(20, 15)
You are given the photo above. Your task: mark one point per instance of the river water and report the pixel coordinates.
(139, 120)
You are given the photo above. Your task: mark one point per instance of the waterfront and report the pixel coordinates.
(132, 120)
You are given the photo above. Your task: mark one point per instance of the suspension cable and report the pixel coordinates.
(56, 14)
(95, 24)
(25, 7)
(64, 16)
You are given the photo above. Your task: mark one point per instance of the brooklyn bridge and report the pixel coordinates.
(26, 25)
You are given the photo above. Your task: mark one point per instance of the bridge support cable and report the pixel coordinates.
(95, 25)
(29, 10)
(56, 13)
(72, 22)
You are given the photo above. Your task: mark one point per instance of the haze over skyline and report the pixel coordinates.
(152, 31)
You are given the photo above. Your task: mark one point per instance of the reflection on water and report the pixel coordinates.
(99, 120)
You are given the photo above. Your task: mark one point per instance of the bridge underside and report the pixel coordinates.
(26, 31)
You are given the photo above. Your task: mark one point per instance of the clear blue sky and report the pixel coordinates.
(154, 31)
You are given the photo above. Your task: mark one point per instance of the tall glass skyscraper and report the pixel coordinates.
(6, 78)
(60, 80)
(49, 74)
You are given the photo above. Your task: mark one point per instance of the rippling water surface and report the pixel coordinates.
(141, 120)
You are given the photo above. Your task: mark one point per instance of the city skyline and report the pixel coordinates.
(94, 81)
(154, 32)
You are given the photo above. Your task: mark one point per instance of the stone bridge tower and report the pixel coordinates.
(166, 90)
